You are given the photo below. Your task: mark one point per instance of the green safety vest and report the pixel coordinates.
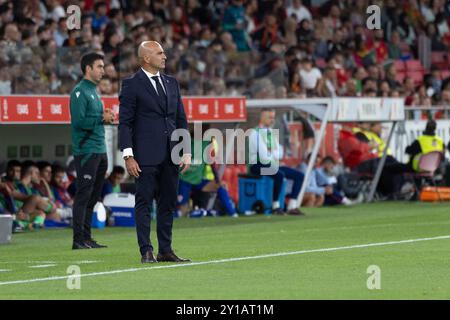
(427, 144)
(371, 136)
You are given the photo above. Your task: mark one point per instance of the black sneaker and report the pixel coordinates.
(79, 245)
(94, 245)
(279, 212)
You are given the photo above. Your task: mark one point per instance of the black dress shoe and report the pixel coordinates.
(170, 257)
(295, 212)
(79, 245)
(94, 245)
(148, 257)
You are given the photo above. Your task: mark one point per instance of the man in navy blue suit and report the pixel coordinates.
(150, 110)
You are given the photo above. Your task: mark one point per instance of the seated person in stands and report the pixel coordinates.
(45, 171)
(24, 190)
(201, 178)
(62, 197)
(112, 183)
(266, 152)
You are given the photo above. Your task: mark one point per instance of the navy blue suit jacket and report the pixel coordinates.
(144, 124)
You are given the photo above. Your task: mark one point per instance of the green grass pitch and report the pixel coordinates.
(318, 258)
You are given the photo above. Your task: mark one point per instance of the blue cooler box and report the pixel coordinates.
(258, 188)
(122, 208)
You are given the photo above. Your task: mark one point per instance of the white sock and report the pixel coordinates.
(292, 204)
(346, 201)
(276, 205)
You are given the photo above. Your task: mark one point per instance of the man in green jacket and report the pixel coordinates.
(89, 149)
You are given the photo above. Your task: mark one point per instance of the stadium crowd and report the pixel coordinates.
(262, 49)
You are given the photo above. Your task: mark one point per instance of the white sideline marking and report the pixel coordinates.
(42, 266)
(5, 270)
(191, 264)
(51, 262)
(25, 262)
(86, 262)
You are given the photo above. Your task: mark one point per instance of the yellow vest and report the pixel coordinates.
(208, 173)
(381, 145)
(427, 144)
(374, 139)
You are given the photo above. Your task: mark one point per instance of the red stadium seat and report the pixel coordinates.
(400, 66)
(400, 76)
(439, 59)
(417, 76)
(445, 74)
(414, 65)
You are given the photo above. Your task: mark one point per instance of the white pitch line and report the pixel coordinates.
(42, 266)
(191, 264)
(86, 262)
(5, 270)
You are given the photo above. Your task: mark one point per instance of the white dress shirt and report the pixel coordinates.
(129, 151)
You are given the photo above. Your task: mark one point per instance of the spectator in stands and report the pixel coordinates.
(60, 34)
(327, 86)
(298, 11)
(309, 76)
(268, 34)
(234, 23)
(305, 33)
(112, 183)
(394, 49)
(105, 86)
(99, 18)
(380, 47)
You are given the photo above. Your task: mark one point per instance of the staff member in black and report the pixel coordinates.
(150, 110)
(88, 145)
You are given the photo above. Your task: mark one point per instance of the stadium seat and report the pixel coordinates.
(428, 164)
(417, 76)
(445, 74)
(400, 76)
(399, 66)
(439, 59)
(414, 65)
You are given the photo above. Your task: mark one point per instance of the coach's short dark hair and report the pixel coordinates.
(88, 60)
